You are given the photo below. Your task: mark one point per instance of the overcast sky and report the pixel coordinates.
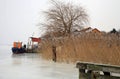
(18, 18)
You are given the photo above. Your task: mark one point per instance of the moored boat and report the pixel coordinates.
(17, 48)
(31, 46)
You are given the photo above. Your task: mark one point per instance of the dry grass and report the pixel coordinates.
(103, 49)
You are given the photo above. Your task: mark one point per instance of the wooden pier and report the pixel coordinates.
(97, 71)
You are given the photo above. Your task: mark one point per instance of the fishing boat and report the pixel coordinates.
(18, 48)
(30, 48)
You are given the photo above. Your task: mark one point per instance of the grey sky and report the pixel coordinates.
(18, 18)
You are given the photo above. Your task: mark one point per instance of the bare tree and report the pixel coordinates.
(65, 17)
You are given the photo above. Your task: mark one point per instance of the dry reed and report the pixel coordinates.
(87, 47)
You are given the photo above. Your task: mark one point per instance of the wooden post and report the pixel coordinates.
(82, 74)
(54, 53)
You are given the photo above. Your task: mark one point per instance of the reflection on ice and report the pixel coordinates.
(17, 59)
(32, 66)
